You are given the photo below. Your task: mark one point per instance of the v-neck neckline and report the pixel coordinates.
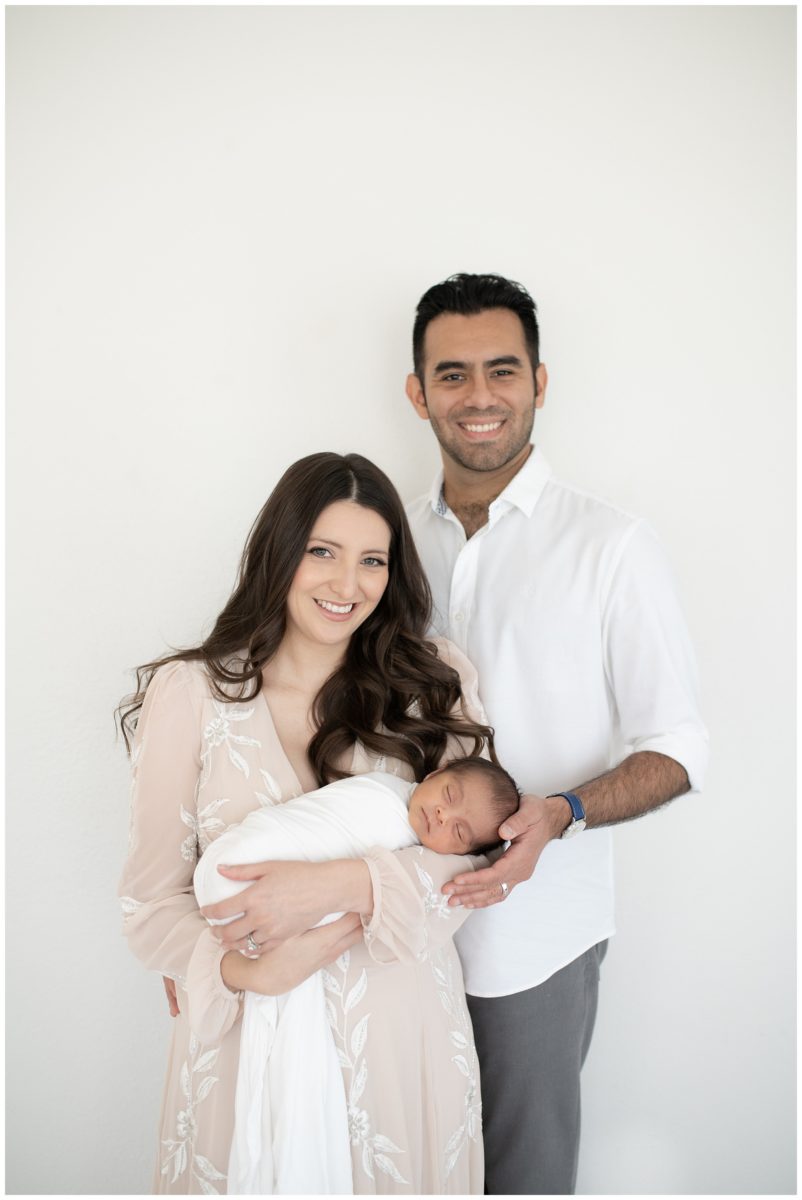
(289, 770)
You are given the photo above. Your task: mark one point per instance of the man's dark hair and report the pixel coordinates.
(468, 295)
(504, 791)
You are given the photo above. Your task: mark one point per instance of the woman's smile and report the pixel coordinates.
(336, 611)
(343, 572)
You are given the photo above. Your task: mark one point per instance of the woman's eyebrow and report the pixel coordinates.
(338, 545)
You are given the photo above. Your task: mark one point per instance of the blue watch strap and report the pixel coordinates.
(577, 811)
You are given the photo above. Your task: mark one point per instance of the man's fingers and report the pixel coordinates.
(474, 879)
(514, 826)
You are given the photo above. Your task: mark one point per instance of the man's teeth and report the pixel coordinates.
(483, 428)
(335, 608)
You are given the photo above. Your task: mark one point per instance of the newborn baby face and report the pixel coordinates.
(453, 813)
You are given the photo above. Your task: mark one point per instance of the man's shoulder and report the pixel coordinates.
(587, 500)
(587, 511)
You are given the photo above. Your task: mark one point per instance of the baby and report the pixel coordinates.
(287, 1054)
(455, 810)
(458, 809)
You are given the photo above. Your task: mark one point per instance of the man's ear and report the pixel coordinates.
(541, 383)
(416, 397)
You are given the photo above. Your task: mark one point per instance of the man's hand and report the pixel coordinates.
(539, 819)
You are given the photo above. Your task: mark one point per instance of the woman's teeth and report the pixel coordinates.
(334, 608)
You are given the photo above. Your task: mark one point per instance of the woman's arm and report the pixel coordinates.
(286, 898)
(161, 920)
(397, 894)
(285, 964)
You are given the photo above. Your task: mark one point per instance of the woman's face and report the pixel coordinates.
(342, 575)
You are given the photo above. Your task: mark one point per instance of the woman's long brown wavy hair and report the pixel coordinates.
(392, 692)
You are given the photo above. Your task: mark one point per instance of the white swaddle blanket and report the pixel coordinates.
(291, 1124)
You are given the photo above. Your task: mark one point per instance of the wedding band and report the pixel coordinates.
(505, 891)
(252, 945)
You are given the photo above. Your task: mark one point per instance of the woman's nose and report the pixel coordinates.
(343, 581)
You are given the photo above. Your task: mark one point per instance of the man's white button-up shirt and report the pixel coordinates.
(567, 607)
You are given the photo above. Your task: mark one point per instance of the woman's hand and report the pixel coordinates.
(172, 995)
(538, 820)
(283, 965)
(288, 898)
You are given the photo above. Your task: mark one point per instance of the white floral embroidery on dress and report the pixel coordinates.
(136, 755)
(181, 1149)
(203, 827)
(376, 1147)
(129, 905)
(453, 1001)
(272, 793)
(433, 901)
(217, 732)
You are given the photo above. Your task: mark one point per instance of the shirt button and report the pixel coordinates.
(458, 616)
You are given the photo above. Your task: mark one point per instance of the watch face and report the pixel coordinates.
(574, 828)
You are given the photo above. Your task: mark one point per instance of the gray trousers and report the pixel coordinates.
(531, 1048)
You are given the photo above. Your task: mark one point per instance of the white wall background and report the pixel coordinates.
(220, 220)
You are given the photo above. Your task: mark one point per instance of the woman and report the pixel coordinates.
(316, 668)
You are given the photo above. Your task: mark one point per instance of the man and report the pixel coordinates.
(567, 608)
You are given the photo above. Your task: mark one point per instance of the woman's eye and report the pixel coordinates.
(374, 562)
(319, 551)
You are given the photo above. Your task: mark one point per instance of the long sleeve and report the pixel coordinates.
(161, 920)
(411, 916)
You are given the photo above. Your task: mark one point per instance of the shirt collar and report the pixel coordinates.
(523, 491)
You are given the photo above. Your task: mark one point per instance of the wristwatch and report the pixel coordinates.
(578, 822)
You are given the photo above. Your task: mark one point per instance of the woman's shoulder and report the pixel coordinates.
(194, 675)
(180, 679)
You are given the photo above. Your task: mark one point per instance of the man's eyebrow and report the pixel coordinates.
(448, 365)
(503, 360)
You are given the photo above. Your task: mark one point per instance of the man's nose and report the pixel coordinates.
(481, 395)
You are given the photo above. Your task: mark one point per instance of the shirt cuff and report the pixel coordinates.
(690, 752)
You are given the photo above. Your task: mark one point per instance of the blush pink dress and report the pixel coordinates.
(396, 1002)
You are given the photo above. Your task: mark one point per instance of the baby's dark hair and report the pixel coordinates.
(504, 791)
